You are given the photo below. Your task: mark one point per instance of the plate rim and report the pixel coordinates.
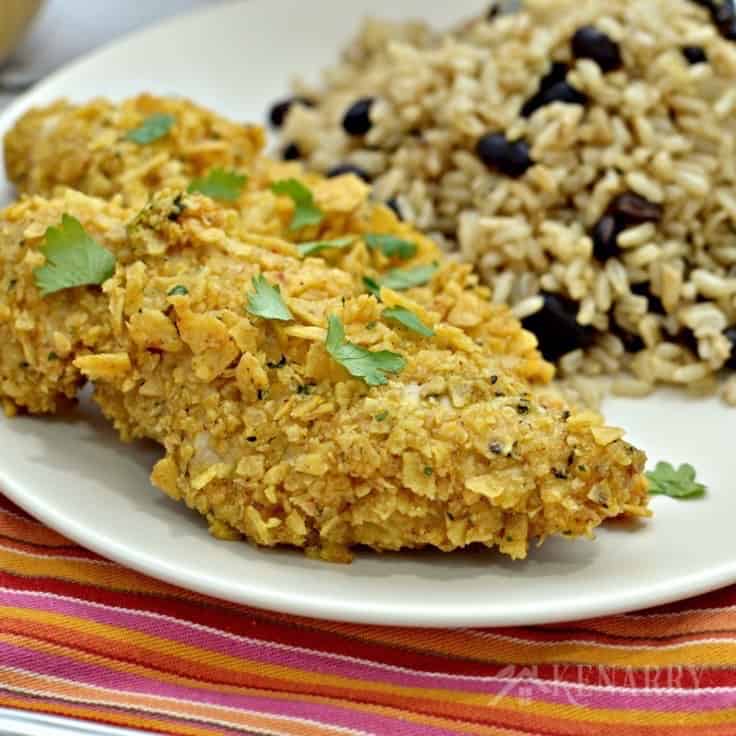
(295, 602)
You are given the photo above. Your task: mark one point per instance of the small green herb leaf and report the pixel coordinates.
(227, 186)
(151, 129)
(666, 481)
(178, 290)
(372, 367)
(382, 416)
(306, 211)
(391, 246)
(372, 286)
(73, 258)
(266, 301)
(400, 279)
(409, 320)
(311, 249)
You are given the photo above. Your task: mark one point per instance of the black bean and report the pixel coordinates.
(694, 54)
(280, 110)
(559, 92)
(728, 30)
(605, 238)
(590, 43)
(357, 119)
(723, 13)
(557, 73)
(343, 169)
(686, 337)
(394, 205)
(509, 157)
(730, 333)
(557, 328)
(292, 152)
(655, 303)
(631, 209)
(632, 342)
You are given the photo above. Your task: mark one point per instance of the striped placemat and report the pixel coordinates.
(85, 638)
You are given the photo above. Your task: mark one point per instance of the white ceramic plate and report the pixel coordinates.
(77, 477)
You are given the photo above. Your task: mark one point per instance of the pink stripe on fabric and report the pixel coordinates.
(52, 665)
(518, 678)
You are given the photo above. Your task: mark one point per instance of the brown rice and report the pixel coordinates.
(659, 127)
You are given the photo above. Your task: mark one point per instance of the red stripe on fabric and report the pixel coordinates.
(6, 503)
(256, 625)
(71, 552)
(724, 598)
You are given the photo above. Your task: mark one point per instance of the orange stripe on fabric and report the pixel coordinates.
(513, 711)
(29, 531)
(220, 717)
(439, 708)
(693, 623)
(127, 719)
(83, 571)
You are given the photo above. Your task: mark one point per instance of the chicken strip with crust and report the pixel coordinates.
(268, 435)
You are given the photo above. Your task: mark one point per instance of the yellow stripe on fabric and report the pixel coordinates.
(84, 571)
(574, 713)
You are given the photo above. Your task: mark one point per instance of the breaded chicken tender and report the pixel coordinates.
(87, 147)
(265, 433)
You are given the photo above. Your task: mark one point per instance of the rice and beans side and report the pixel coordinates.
(582, 154)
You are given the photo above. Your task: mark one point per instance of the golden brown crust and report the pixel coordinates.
(84, 147)
(459, 448)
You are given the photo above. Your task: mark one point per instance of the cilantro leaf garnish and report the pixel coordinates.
(400, 279)
(391, 246)
(73, 258)
(151, 129)
(226, 186)
(178, 290)
(372, 367)
(666, 481)
(266, 301)
(372, 286)
(306, 211)
(409, 320)
(311, 249)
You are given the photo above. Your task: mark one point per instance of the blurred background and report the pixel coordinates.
(65, 29)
